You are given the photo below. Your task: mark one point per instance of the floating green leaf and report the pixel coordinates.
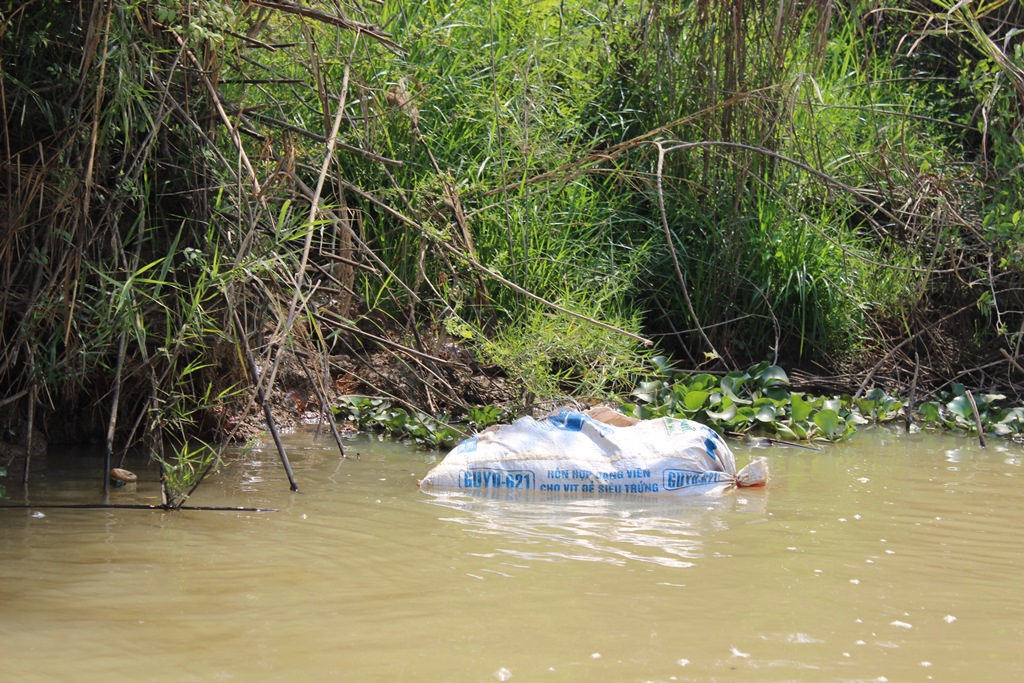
(773, 375)
(830, 423)
(732, 383)
(694, 400)
(801, 409)
(765, 412)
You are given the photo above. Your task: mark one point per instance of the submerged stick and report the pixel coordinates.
(261, 398)
(129, 506)
(280, 446)
(977, 418)
(913, 390)
(324, 404)
(112, 423)
(30, 427)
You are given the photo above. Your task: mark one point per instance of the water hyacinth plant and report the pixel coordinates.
(759, 401)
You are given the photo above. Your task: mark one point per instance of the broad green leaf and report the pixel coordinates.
(772, 376)
(961, 406)
(726, 415)
(929, 411)
(830, 423)
(733, 383)
(744, 413)
(866, 406)
(702, 382)
(875, 394)
(1013, 415)
(644, 413)
(785, 432)
(694, 400)
(984, 401)
(648, 391)
(662, 365)
(757, 369)
(801, 409)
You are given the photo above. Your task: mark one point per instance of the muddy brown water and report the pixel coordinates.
(888, 558)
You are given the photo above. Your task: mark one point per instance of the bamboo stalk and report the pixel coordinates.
(280, 446)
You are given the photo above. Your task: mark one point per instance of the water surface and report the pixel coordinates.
(890, 557)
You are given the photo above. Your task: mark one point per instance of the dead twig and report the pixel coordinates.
(370, 30)
(670, 242)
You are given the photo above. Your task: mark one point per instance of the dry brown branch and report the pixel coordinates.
(1013, 362)
(284, 125)
(893, 350)
(338, 19)
(670, 242)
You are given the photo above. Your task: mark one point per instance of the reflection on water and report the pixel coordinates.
(891, 557)
(669, 532)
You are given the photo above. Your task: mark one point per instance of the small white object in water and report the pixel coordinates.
(901, 624)
(736, 653)
(503, 674)
(37, 514)
(949, 618)
(596, 655)
(682, 662)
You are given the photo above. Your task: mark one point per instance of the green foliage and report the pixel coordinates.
(553, 354)
(952, 411)
(185, 469)
(482, 417)
(381, 415)
(757, 400)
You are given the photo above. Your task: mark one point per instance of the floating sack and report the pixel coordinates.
(597, 453)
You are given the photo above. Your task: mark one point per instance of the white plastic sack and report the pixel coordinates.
(575, 453)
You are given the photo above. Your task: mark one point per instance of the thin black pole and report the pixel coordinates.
(261, 398)
(325, 407)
